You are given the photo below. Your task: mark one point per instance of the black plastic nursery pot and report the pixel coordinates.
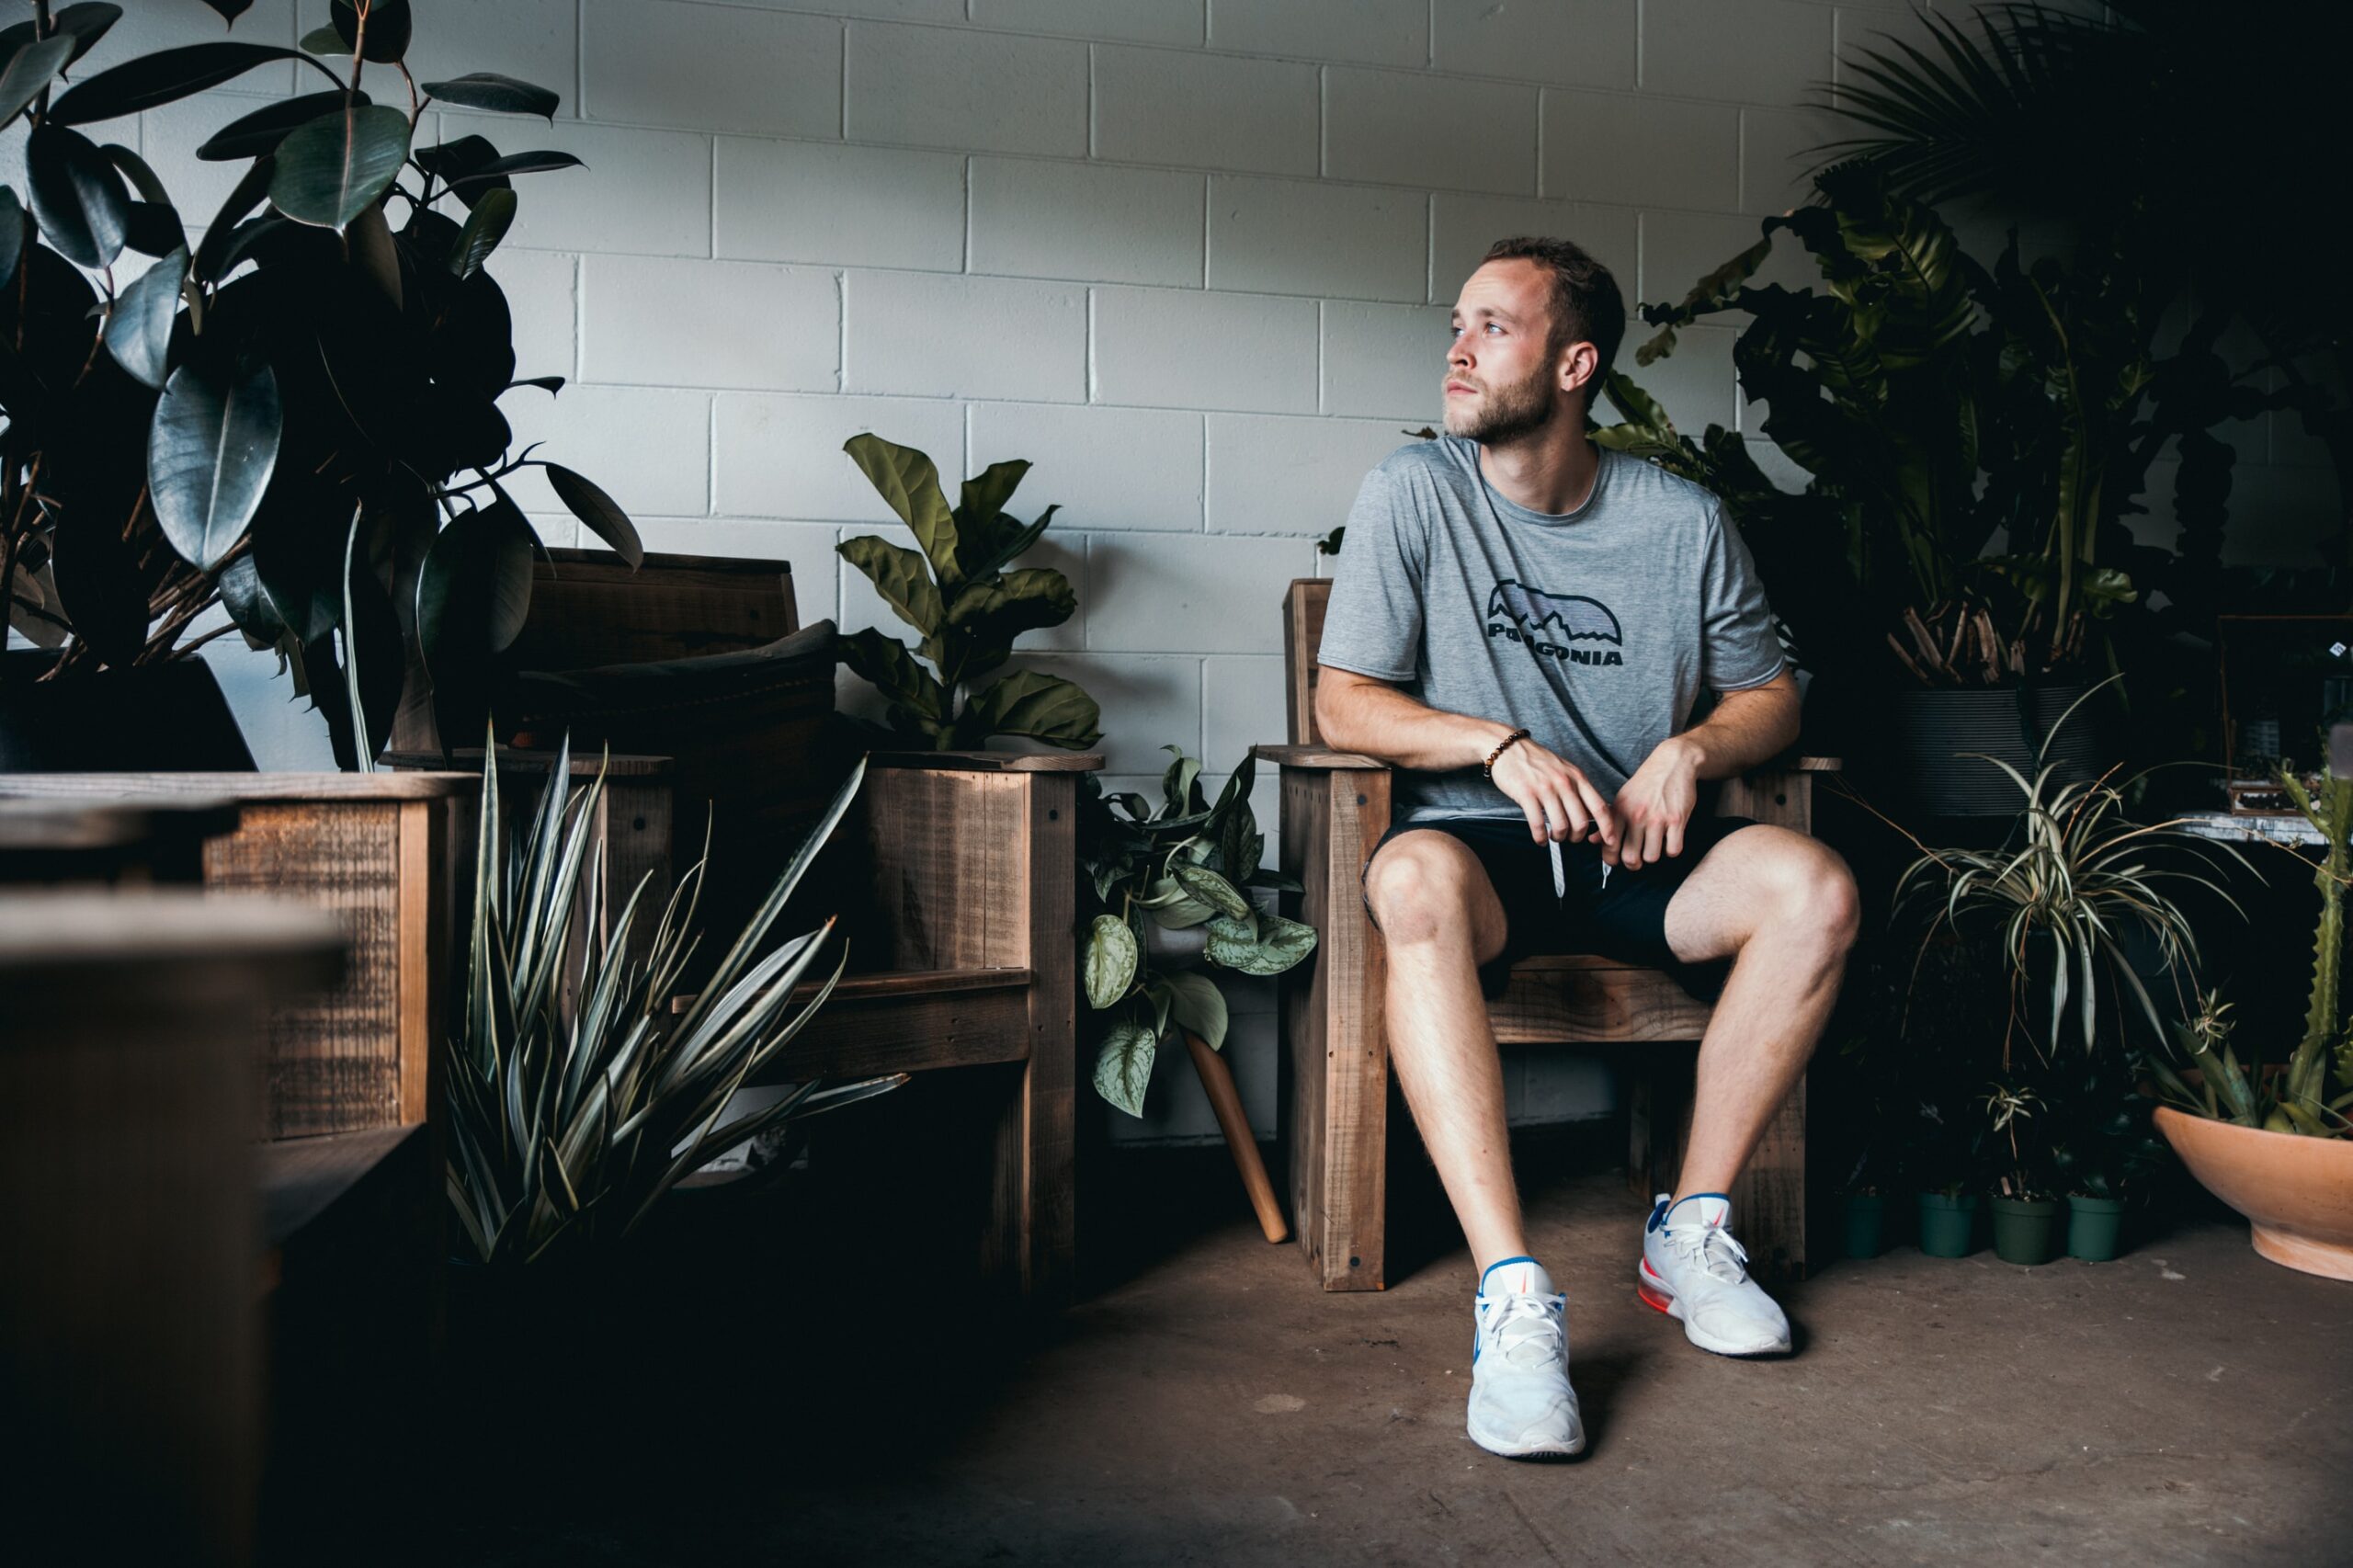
(1948, 1225)
(1866, 1224)
(2094, 1228)
(163, 718)
(2026, 1230)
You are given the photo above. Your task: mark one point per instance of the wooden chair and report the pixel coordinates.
(1334, 807)
(972, 860)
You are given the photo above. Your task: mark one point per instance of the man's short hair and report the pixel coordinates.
(1587, 306)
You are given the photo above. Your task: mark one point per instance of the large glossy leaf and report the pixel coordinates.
(1213, 890)
(250, 191)
(250, 136)
(139, 334)
(1045, 708)
(909, 483)
(1274, 947)
(485, 226)
(1000, 608)
(1197, 1006)
(389, 26)
(451, 162)
(885, 664)
(536, 162)
(210, 455)
(339, 164)
(1111, 956)
(30, 67)
(249, 603)
(12, 233)
(165, 78)
(77, 196)
(586, 500)
(500, 95)
(476, 588)
(899, 575)
(1123, 1067)
(230, 10)
(84, 24)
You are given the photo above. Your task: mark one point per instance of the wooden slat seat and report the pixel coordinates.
(1335, 806)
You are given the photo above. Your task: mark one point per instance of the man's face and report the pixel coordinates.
(1501, 384)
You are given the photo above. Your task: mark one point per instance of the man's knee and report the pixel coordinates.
(1810, 892)
(1422, 888)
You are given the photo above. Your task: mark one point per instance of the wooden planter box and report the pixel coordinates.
(391, 856)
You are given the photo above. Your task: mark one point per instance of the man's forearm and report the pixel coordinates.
(1383, 722)
(1746, 728)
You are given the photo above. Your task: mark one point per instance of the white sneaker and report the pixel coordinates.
(1693, 1270)
(1521, 1404)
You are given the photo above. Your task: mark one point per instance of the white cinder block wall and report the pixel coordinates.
(1190, 258)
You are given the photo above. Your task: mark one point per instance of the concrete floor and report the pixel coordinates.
(2187, 1404)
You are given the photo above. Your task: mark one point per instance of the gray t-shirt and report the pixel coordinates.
(1596, 629)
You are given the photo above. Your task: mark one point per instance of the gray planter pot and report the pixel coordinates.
(1933, 731)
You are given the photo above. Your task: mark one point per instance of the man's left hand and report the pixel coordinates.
(1655, 804)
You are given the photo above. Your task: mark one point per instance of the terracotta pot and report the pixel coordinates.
(2296, 1191)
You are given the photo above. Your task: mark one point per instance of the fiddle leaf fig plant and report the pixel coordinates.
(956, 590)
(1184, 867)
(290, 412)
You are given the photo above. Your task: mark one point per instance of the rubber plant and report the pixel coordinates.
(1184, 866)
(293, 411)
(2298, 1098)
(577, 1097)
(960, 591)
(1935, 405)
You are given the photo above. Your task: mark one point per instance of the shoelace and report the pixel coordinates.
(1714, 1249)
(1542, 1330)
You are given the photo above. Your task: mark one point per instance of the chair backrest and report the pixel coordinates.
(1303, 604)
(588, 608)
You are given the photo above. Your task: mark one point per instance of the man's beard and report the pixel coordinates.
(1509, 414)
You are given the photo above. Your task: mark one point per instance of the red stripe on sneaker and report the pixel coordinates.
(1651, 1299)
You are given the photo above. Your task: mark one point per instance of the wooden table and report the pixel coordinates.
(129, 1368)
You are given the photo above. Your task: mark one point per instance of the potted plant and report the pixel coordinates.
(1936, 406)
(290, 414)
(2103, 1146)
(577, 1099)
(2025, 1214)
(1173, 884)
(2273, 1142)
(957, 593)
(2073, 876)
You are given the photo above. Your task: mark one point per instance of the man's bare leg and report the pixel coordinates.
(1440, 919)
(1783, 906)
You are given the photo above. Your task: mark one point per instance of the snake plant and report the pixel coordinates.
(577, 1098)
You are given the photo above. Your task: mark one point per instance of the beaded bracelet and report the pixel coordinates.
(1508, 742)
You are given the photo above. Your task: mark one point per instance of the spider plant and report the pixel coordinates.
(576, 1098)
(2074, 876)
(2007, 1105)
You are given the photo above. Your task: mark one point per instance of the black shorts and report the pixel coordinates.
(1625, 919)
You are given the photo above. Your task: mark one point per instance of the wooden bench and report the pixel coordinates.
(1334, 807)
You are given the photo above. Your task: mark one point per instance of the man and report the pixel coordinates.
(1521, 623)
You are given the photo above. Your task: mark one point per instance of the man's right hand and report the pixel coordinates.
(1551, 789)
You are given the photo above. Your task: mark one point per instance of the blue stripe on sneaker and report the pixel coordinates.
(1657, 1215)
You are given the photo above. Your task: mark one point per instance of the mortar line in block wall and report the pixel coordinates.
(845, 93)
(1642, 29)
(1091, 139)
(579, 59)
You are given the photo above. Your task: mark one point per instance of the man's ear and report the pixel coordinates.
(1579, 363)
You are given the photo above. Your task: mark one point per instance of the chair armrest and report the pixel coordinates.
(1316, 757)
(988, 761)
